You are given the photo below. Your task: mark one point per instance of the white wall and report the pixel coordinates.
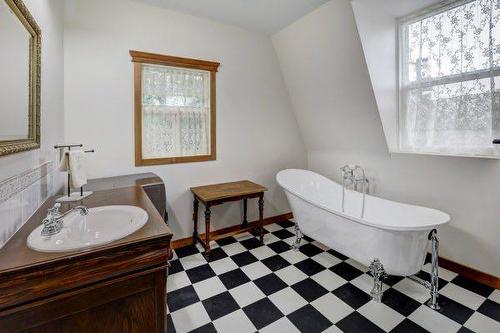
(327, 78)
(15, 211)
(257, 134)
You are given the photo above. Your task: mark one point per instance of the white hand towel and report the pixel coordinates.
(77, 168)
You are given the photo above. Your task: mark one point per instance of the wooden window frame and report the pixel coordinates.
(139, 58)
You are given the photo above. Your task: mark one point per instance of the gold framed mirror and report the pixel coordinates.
(20, 68)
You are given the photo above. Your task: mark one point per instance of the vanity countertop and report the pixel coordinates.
(18, 262)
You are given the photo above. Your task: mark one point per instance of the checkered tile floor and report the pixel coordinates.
(248, 288)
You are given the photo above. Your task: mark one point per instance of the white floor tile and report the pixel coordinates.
(209, 287)
(443, 272)
(280, 326)
(433, 321)
(190, 317)
(328, 279)
(287, 300)
(381, 315)
(326, 259)
(332, 329)
(246, 294)
(463, 296)
(177, 281)
(480, 323)
(262, 252)
(223, 265)
(192, 261)
(293, 257)
(291, 275)
(413, 290)
(243, 236)
(356, 264)
(332, 307)
(270, 238)
(236, 321)
(365, 283)
(256, 270)
(272, 227)
(233, 249)
(320, 245)
(495, 296)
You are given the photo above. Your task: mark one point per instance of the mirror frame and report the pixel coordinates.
(35, 47)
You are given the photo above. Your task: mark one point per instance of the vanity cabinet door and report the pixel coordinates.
(134, 303)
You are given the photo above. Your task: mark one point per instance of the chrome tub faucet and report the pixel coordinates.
(53, 222)
(352, 176)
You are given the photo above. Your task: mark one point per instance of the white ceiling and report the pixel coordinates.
(268, 16)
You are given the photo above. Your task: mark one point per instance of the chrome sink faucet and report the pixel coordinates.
(53, 222)
(352, 176)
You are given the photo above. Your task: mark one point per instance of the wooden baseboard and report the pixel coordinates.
(230, 231)
(470, 273)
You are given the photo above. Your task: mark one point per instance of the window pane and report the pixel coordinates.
(175, 112)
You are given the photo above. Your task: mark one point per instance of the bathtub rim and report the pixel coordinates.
(358, 219)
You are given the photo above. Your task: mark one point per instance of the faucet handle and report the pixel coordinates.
(54, 210)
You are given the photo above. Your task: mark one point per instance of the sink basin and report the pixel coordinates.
(102, 225)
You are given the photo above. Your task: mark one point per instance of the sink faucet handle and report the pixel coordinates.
(55, 210)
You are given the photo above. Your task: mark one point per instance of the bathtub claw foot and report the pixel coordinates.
(434, 285)
(298, 237)
(378, 273)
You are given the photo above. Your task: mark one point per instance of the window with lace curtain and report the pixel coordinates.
(174, 109)
(449, 79)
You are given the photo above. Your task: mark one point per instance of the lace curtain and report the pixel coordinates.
(450, 79)
(175, 112)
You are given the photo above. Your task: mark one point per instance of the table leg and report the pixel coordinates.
(245, 220)
(207, 231)
(261, 218)
(195, 220)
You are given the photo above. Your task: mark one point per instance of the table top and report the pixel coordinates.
(214, 192)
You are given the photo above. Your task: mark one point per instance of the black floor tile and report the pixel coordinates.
(262, 313)
(309, 267)
(283, 234)
(400, 302)
(308, 319)
(244, 258)
(181, 298)
(175, 267)
(285, 224)
(346, 271)
(464, 329)
(427, 277)
(226, 241)
(269, 284)
(233, 278)
(454, 310)
(491, 309)
(357, 323)
(279, 246)
(391, 280)
(220, 305)
(337, 254)
(208, 328)
(186, 251)
(251, 243)
(256, 232)
(352, 295)
(169, 324)
(309, 289)
(217, 254)
(307, 238)
(200, 273)
(473, 286)
(310, 250)
(408, 326)
(275, 263)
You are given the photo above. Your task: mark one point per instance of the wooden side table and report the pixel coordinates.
(212, 195)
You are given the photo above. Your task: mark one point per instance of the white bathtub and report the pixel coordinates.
(393, 232)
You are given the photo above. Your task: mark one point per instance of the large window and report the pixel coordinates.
(449, 79)
(174, 109)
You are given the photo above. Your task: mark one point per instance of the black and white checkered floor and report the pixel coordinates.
(248, 288)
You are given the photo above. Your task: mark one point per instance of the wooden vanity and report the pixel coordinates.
(118, 287)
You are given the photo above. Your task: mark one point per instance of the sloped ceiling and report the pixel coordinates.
(266, 16)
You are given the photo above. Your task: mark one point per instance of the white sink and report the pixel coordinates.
(102, 225)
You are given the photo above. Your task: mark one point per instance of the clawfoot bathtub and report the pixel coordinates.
(391, 237)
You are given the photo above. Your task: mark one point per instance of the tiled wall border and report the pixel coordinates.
(16, 184)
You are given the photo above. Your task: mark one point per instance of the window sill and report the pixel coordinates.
(444, 154)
